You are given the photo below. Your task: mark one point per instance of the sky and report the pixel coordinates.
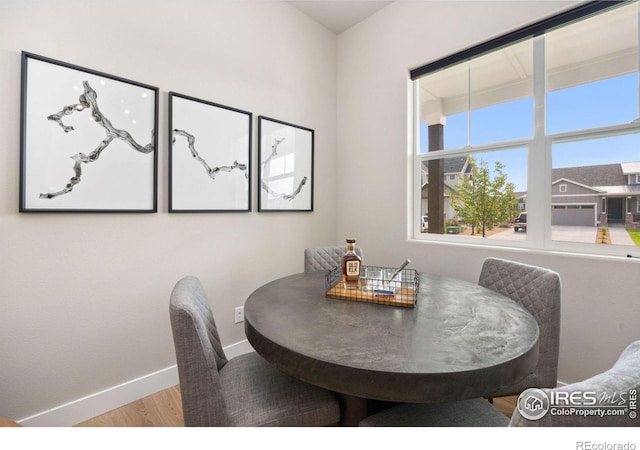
(608, 102)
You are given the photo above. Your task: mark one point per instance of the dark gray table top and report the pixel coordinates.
(460, 341)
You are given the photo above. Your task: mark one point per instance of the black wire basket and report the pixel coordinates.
(376, 286)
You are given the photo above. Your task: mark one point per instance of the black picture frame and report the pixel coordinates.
(87, 140)
(209, 156)
(285, 153)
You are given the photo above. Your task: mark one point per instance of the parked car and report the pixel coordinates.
(521, 222)
(424, 224)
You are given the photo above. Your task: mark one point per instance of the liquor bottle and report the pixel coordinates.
(351, 265)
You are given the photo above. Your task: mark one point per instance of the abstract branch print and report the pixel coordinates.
(211, 171)
(87, 140)
(265, 164)
(89, 100)
(209, 156)
(286, 166)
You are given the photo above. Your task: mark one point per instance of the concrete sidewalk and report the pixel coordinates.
(619, 236)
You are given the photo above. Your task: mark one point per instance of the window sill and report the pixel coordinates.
(616, 254)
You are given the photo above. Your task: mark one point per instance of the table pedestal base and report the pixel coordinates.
(353, 409)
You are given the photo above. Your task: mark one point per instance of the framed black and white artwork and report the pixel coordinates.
(88, 140)
(286, 166)
(210, 156)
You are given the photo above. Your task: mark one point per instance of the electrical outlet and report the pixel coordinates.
(239, 316)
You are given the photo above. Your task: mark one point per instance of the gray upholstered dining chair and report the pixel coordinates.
(242, 391)
(324, 258)
(538, 290)
(622, 379)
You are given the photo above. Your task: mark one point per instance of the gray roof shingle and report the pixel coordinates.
(453, 165)
(602, 175)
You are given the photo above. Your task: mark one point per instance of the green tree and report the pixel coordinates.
(483, 202)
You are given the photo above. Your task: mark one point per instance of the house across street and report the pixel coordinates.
(596, 195)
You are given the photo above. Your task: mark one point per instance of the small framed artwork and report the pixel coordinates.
(286, 166)
(88, 140)
(210, 156)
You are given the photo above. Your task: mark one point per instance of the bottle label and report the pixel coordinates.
(353, 269)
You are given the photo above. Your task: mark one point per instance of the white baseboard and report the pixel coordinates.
(114, 397)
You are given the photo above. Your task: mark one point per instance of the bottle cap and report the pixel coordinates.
(351, 241)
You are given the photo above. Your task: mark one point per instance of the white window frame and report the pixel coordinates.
(539, 190)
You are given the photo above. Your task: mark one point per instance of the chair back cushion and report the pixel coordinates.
(538, 290)
(325, 258)
(199, 355)
(615, 387)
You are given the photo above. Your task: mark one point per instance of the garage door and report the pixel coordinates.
(575, 215)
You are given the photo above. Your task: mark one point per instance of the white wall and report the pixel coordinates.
(600, 310)
(84, 297)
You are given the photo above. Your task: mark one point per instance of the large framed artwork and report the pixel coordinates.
(210, 156)
(88, 140)
(286, 166)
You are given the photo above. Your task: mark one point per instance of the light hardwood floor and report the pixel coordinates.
(164, 409)
(506, 405)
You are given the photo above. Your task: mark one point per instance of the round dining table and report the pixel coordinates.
(460, 340)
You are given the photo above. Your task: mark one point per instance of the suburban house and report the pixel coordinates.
(596, 195)
(455, 169)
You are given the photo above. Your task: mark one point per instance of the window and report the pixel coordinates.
(488, 119)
